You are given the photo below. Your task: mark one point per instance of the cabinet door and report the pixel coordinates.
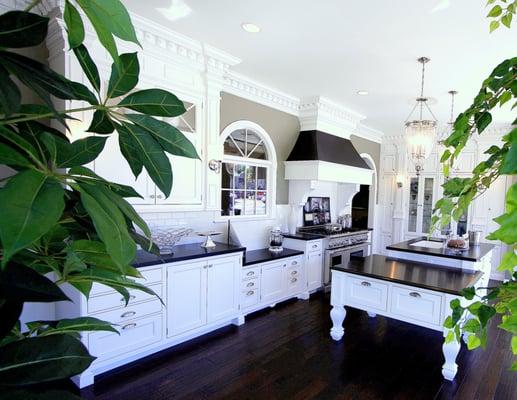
(388, 187)
(388, 163)
(111, 165)
(314, 270)
(186, 297)
(187, 172)
(223, 289)
(273, 282)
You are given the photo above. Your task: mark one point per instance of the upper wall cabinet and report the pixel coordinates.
(187, 182)
(388, 163)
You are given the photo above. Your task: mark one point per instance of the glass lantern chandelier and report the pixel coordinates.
(420, 133)
(450, 125)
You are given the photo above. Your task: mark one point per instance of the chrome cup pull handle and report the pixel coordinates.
(250, 273)
(367, 284)
(129, 326)
(250, 293)
(415, 294)
(294, 272)
(250, 284)
(294, 280)
(128, 314)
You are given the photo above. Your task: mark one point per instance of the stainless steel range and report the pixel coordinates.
(340, 245)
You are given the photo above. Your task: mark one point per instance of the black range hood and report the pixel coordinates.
(320, 146)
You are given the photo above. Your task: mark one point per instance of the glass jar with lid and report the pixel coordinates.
(275, 239)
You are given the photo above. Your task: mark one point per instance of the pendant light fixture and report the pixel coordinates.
(450, 124)
(420, 133)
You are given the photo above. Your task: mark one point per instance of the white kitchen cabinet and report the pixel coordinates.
(465, 162)
(385, 241)
(186, 297)
(273, 282)
(313, 260)
(223, 300)
(422, 195)
(314, 270)
(388, 163)
(201, 293)
(388, 187)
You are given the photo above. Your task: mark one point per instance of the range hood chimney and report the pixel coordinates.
(323, 150)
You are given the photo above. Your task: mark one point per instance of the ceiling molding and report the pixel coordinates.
(247, 88)
(368, 133)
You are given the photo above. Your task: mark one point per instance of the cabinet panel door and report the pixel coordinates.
(186, 297)
(314, 270)
(273, 282)
(111, 165)
(387, 193)
(223, 289)
(388, 163)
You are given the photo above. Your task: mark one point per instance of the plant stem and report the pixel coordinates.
(32, 4)
(47, 115)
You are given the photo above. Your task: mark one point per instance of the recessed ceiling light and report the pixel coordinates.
(250, 27)
(362, 92)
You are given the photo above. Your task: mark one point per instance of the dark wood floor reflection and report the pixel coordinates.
(287, 353)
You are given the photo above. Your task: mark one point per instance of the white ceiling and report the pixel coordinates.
(333, 48)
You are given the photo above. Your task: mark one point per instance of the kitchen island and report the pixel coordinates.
(409, 291)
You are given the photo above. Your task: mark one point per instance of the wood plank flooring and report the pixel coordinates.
(287, 353)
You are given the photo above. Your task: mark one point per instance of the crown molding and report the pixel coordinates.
(257, 92)
(368, 133)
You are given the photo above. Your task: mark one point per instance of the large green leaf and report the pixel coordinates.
(150, 154)
(10, 310)
(17, 140)
(124, 75)
(42, 359)
(10, 156)
(30, 205)
(94, 253)
(74, 25)
(88, 66)
(43, 80)
(509, 165)
(130, 151)
(22, 283)
(169, 137)
(154, 102)
(72, 325)
(10, 96)
(101, 123)
(121, 190)
(111, 14)
(80, 152)
(109, 224)
(22, 29)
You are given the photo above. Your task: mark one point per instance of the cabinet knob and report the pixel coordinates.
(210, 265)
(152, 196)
(159, 196)
(205, 266)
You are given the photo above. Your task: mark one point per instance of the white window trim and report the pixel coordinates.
(271, 163)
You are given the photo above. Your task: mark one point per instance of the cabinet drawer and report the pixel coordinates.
(132, 336)
(250, 273)
(294, 262)
(132, 311)
(314, 246)
(365, 292)
(150, 276)
(416, 304)
(294, 283)
(249, 298)
(250, 284)
(116, 300)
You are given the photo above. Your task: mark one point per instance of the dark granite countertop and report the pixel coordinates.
(473, 253)
(303, 236)
(428, 276)
(264, 255)
(184, 252)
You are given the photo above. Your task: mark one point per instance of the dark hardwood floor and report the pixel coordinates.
(287, 353)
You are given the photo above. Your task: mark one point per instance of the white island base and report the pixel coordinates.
(422, 307)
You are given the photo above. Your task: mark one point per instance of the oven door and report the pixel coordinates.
(340, 257)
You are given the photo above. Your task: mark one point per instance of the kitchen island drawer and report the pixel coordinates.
(314, 245)
(365, 292)
(117, 301)
(132, 336)
(416, 304)
(250, 273)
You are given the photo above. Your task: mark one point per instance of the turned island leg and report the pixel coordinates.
(337, 315)
(450, 352)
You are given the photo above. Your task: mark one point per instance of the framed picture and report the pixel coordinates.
(316, 211)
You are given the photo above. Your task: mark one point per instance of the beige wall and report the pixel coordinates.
(283, 129)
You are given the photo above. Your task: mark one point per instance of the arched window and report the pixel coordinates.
(248, 170)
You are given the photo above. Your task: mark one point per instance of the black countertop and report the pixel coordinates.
(303, 236)
(184, 252)
(427, 276)
(264, 255)
(473, 253)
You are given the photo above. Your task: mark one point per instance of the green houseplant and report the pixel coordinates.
(499, 89)
(59, 221)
